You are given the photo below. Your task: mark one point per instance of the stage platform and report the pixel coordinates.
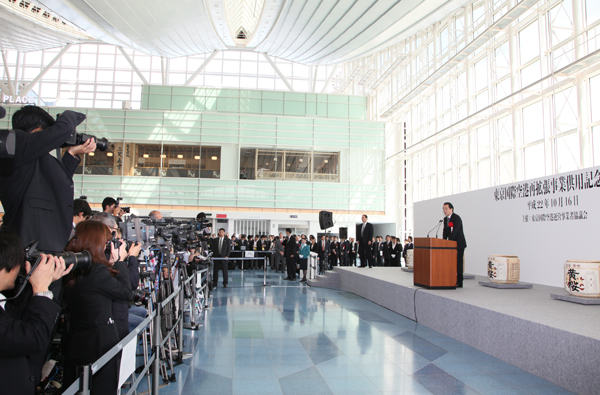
(553, 339)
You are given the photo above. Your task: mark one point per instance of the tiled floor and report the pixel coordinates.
(288, 338)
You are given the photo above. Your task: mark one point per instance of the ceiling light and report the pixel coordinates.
(91, 154)
(180, 156)
(146, 156)
(289, 164)
(107, 154)
(274, 159)
(197, 157)
(162, 156)
(301, 160)
(325, 161)
(214, 158)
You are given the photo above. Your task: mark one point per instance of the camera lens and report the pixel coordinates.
(101, 144)
(81, 260)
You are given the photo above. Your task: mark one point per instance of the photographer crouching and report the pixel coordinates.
(25, 332)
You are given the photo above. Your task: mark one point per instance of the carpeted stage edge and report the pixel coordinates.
(556, 340)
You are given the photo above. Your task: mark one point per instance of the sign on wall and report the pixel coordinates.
(544, 221)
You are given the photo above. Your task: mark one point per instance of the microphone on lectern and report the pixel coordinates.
(436, 226)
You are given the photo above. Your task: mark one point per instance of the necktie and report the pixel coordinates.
(220, 245)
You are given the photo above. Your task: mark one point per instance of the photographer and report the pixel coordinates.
(126, 317)
(25, 332)
(89, 295)
(37, 188)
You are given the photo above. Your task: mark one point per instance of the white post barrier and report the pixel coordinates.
(313, 265)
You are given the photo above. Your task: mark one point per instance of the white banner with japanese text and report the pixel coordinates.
(543, 221)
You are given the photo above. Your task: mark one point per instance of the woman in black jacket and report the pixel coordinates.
(89, 295)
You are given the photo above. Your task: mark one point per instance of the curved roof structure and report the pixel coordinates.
(303, 31)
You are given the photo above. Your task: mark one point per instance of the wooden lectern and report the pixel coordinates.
(435, 263)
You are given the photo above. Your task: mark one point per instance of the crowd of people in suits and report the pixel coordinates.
(289, 253)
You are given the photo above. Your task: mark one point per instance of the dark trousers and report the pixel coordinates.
(352, 258)
(277, 262)
(344, 260)
(220, 265)
(291, 266)
(366, 255)
(459, 266)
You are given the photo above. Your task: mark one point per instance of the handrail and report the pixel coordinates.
(81, 384)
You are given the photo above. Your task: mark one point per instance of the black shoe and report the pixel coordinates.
(287, 278)
(303, 280)
(214, 285)
(224, 285)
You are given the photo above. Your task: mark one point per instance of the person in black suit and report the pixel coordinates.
(387, 245)
(25, 329)
(290, 253)
(221, 248)
(364, 234)
(453, 230)
(395, 252)
(89, 294)
(35, 187)
(344, 245)
(352, 250)
(323, 251)
(335, 252)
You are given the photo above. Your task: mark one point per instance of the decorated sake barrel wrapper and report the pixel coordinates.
(504, 269)
(582, 278)
(410, 258)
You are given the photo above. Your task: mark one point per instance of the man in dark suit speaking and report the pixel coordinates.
(221, 248)
(453, 230)
(36, 189)
(364, 236)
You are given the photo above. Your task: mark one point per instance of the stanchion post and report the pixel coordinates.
(86, 379)
(182, 315)
(264, 271)
(156, 362)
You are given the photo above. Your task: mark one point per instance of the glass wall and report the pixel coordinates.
(269, 164)
(100, 76)
(498, 91)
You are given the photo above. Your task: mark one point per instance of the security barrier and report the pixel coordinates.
(196, 301)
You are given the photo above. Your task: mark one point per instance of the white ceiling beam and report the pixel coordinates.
(11, 88)
(279, 73)
(329, 79)
(202, 66)
(133, 66)
(28, 87)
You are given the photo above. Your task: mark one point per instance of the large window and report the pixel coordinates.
(266, 164)
(154, 160)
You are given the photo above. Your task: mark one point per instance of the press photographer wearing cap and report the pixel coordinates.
(25, 332)
(35, 187)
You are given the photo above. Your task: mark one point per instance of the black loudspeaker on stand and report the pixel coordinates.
(343, 233)
(325, 219)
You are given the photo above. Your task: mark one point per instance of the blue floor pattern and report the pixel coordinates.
(291, 339)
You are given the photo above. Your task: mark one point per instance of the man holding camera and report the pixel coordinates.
(36, 189)
(25, 332)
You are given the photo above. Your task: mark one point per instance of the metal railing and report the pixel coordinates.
(159, 343)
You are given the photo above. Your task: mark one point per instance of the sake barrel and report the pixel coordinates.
(582, 278)
(504, 269)
(410, 258)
